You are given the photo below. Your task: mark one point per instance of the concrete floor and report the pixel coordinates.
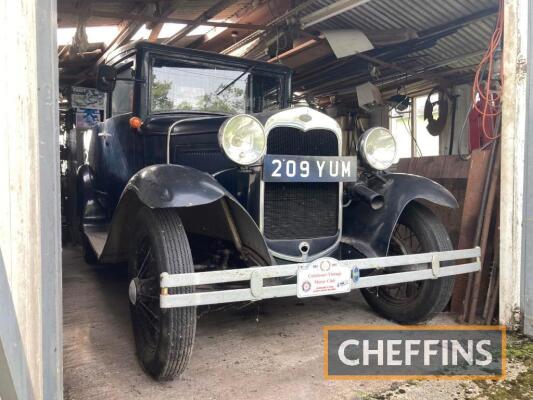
(270, 351)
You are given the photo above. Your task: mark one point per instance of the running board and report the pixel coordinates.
(256, 276)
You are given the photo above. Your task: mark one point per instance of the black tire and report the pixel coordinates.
(423, 299)
(164, 338)
(88, 252)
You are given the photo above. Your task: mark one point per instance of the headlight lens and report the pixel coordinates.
(242, 138)
(378, 148)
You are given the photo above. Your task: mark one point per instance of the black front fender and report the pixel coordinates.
(174, 186)
(204, 206)
(370, 231)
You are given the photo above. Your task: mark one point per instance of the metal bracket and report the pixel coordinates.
(435, 266)
(256, 284)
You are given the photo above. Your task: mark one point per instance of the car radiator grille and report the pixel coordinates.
(301, 210)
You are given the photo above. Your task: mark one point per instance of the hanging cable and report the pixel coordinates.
(487, 93)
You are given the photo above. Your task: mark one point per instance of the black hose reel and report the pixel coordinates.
(436, 126)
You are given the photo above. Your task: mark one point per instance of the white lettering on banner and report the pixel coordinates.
(483, 352)
(409, 351)
(467, 355)
(409, 348)
(342, 352)
(428, 352)
(391, 352)
(367, 352)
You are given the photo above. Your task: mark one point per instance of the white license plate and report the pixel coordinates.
(286, 168)
(321, 277)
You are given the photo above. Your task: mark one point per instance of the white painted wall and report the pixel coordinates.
(512, 151)
(19, 176)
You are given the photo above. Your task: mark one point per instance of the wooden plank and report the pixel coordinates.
(486, 231)
(464, 179)
(470, 214)
(452, 173)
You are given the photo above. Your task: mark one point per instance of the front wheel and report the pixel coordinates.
(163, 337)
(417, 231)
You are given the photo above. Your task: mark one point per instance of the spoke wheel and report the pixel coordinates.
(163, 337)
(144, 296)
(417, 231)
(403, 241)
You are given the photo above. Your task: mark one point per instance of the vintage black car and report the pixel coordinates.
(215, 190)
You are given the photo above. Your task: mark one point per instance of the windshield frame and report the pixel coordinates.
(210, 60)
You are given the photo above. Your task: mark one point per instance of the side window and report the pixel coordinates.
(410, 127)
(267, 93)
(122, 97)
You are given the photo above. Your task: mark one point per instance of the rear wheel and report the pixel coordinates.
(417, 231)
(163, 337)
(89, 255)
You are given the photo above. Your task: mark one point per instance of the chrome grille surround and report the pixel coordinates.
(304, 119)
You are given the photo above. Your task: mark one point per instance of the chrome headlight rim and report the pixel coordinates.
(222, 130)
(365, 154)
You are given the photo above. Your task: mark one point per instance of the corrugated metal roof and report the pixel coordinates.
(442, 54)
(418, 15)
(421, 16)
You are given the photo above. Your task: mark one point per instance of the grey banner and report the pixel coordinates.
(414, 352)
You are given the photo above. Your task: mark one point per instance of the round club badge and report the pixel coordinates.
(306, 286)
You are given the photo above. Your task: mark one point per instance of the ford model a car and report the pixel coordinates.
(214, 190)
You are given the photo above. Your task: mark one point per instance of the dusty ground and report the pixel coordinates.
(273, 351)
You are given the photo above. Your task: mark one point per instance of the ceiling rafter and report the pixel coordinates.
(165, 11)
(202, 19)
(244, 11)
(271, 25)
(127, 31)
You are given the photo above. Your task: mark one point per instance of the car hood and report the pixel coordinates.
(187, 123)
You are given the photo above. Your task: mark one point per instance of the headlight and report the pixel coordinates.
(378, 148)
(242, 138)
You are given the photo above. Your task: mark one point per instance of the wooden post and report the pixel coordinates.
(512, 157)
(29, 199)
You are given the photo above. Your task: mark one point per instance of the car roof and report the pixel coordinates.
(144, 46)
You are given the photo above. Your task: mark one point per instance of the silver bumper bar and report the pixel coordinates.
(256, 276)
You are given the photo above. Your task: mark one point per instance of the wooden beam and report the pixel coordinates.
(154, 32)
(165, 12)
(127, 31)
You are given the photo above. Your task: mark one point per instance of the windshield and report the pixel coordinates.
(178, 86)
